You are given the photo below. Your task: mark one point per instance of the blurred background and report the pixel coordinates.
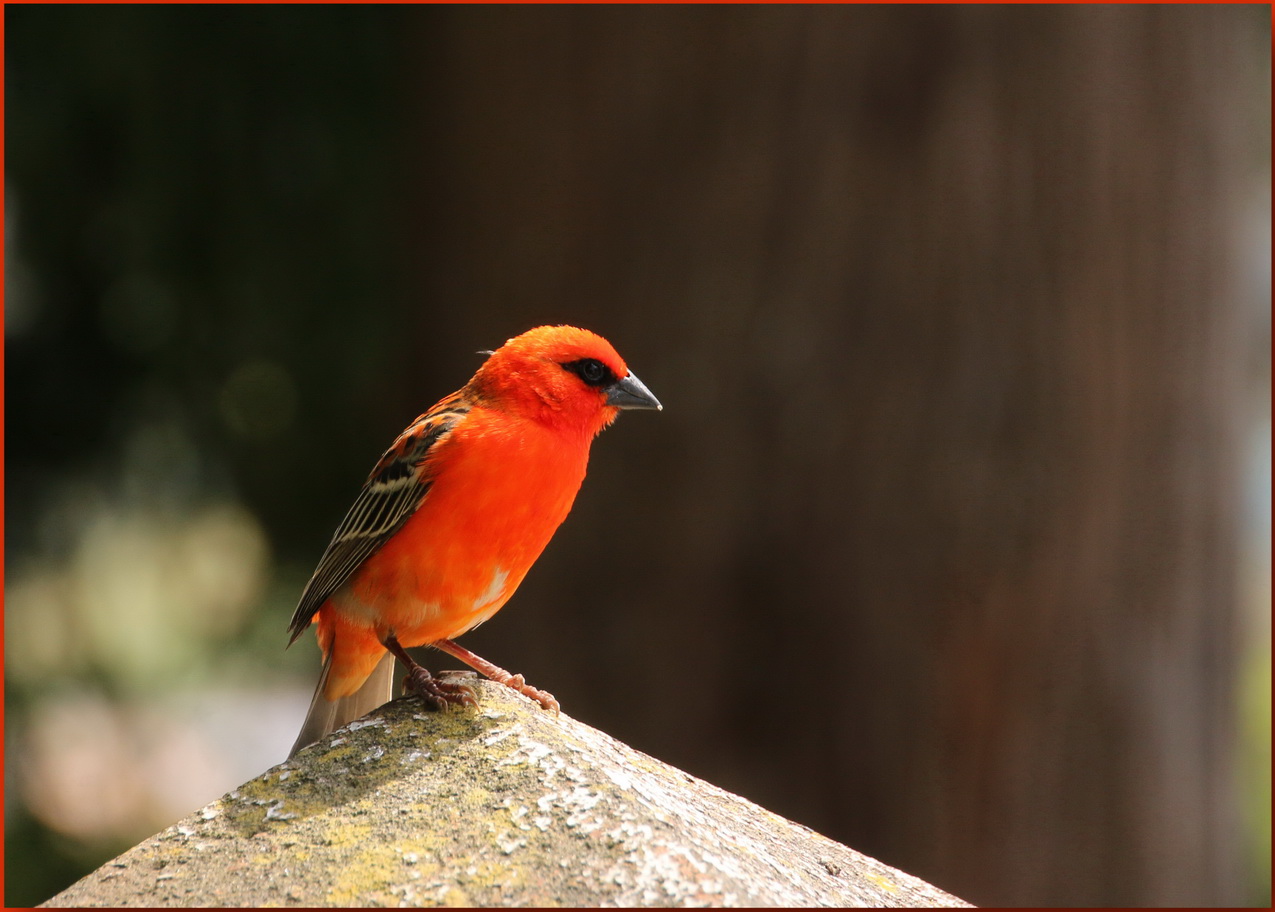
(952, 541)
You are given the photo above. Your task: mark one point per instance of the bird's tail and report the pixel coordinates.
(329, 715)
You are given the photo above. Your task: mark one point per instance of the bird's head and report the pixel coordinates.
(561, 375)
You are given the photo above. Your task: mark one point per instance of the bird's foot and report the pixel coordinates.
(436, 693)
(499, 675)
(518, 682)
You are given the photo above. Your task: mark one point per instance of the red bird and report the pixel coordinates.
(452, 518)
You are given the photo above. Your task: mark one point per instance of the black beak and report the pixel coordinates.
(631, 393)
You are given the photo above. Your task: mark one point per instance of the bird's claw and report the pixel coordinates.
(547, 701)
(437, 693)
(519, 683)
(544, 698)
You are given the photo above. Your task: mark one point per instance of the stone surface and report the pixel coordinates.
(501, 805)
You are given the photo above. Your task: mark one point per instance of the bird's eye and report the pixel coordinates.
(591, 371)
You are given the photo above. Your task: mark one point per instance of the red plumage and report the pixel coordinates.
(454, 515)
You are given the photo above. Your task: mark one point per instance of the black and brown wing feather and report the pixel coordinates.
(389, 497)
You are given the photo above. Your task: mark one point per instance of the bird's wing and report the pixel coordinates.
(390, 496)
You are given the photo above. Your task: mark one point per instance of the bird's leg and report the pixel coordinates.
(497, 674)
(436, 694)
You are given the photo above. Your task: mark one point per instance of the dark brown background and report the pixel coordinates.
(936, 547)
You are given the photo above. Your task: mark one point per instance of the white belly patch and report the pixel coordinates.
(489, 602)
